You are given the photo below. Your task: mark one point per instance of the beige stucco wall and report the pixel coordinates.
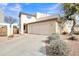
(47, 27)
(24, 19)
(58, 28)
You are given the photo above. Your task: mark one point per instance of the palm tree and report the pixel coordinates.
(70, 9)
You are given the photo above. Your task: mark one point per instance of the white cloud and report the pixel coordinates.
(3, 5)
(54, 9)
(13, 10)
(56, 6)
(16, 7)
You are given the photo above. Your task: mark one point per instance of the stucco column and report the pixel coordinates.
(22, 28)
(57, 28)
(12, 29)
(8, 30)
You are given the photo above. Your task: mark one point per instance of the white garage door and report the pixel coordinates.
(40, 28)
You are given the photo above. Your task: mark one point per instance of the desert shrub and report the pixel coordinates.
(76, 33)
(57, 46)
(54, 36)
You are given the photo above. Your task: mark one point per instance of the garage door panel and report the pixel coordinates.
(40, 28)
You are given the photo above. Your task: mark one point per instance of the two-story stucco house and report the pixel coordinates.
(39, 24)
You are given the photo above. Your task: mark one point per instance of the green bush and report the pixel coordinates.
(57, 47)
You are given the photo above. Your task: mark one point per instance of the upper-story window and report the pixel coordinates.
(29, 17)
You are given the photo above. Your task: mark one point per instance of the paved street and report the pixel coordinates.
(23, 45)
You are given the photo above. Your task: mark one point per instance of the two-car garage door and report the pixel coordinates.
(46, 28)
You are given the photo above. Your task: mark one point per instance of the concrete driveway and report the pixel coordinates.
(23, 45)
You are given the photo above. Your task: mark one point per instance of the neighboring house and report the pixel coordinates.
(69, 23)
(67, 26)
(39, 23)
(5, 29)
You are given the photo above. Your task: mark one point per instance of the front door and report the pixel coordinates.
(25, 28)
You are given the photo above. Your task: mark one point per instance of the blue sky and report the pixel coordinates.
(13, 9)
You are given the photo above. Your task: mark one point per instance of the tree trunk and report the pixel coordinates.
(72, 29)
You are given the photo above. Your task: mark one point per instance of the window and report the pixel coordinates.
(29, 17)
